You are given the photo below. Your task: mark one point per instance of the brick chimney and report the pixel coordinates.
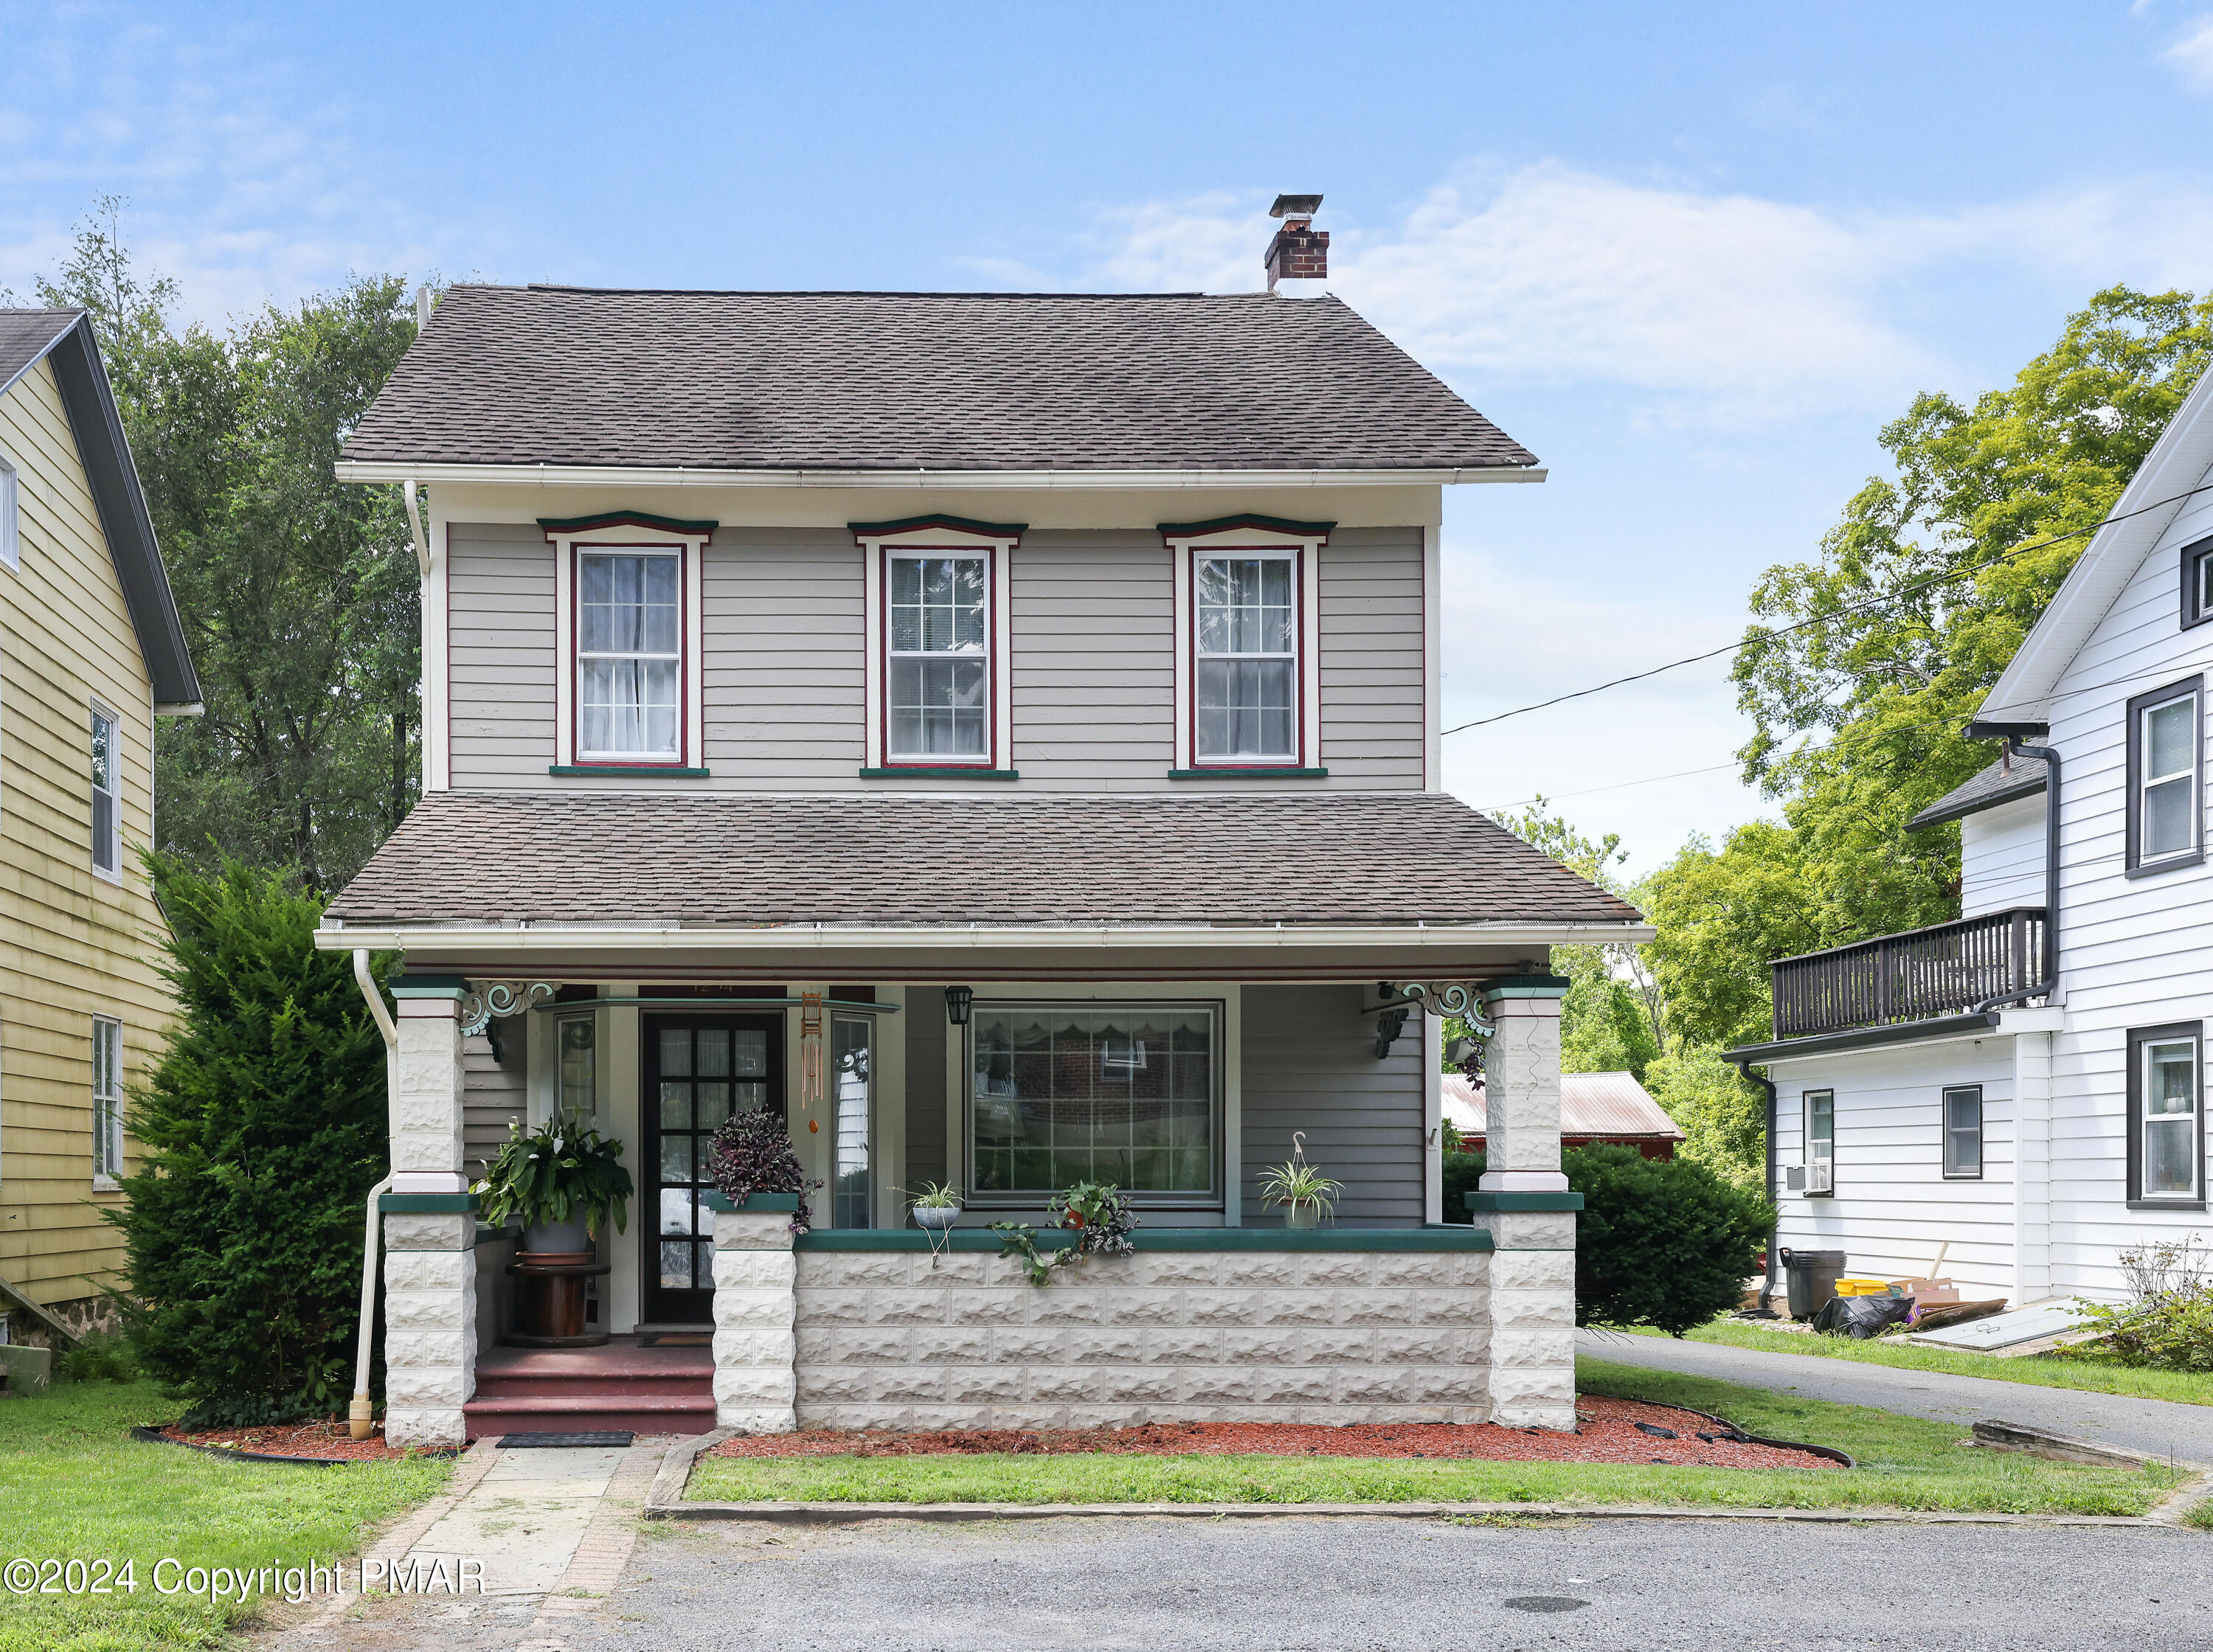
(1300, 251)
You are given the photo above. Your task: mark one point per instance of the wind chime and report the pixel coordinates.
(810, 1057)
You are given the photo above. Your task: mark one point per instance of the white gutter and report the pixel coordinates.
(358, 1415)
(538, 939)
(643, 476)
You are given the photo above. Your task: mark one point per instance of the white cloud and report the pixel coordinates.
(2192, 55)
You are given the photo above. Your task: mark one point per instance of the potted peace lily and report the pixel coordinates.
(563, 1179)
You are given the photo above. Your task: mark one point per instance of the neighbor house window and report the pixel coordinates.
(1820, 1141)
(938, 663)
(852, 1040)
(2167, 1135)
(1963, 1130)
(1245, 610)
(11, 542)
(1126, 1093)
(2196, 583)
(106, 812)
(2165, 777)
(630, 659)
(107, 1099)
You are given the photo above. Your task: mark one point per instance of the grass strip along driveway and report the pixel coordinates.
(73, 1486)
(2041, 1371)
(1905, 1463)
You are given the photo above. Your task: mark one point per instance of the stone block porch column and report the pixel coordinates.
(756, 1314)
(429, 1226)
(1525, 1202)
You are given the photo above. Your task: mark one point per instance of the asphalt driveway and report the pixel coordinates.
(2165, 1428)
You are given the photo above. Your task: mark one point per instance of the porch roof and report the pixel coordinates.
(938, 861)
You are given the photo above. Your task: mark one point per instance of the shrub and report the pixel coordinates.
(2168, 1325)
(263, 1127)
(1663, 1243)
(104, 1356)
(1463, 1174)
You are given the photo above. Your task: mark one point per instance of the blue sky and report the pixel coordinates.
(1692, 255)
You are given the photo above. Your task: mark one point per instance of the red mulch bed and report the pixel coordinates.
(326, 1438)
(1606, 1432)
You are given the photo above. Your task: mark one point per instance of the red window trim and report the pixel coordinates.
(990, 553)
(1298, 555)
(577, 551)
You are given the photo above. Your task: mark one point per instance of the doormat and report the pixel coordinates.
(687, 1339)
(612, 1437)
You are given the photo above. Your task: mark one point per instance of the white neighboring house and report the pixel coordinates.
(2026, 1085)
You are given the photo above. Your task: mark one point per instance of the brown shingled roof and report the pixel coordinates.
(989, 381)
(1344, 859)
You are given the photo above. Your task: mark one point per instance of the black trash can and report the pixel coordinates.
(1813, 1276)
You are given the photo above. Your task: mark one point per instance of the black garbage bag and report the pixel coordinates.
(1861, 1317)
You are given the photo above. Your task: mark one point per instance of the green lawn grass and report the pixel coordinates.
(2091, 1376)
(74, 1485)
(1904, 1463)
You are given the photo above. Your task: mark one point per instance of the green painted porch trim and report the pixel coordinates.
(1525, 986)
(938, 519)
(622, 519)
(428, 987)
(623, 772)
(1166, 1239)
(950, 772)
(1500, 1203)
(760, 1204)
(1248, 774)
(1246, 519)
(427, 1204)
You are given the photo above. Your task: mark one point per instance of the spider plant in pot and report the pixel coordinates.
(563, 1179)
(937, 1206)
(1305, 1193)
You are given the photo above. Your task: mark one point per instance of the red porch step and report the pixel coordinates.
(575, 1390)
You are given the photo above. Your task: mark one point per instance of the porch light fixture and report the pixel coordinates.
(958, 1000)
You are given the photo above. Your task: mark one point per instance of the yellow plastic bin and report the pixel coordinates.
(1863, 1288)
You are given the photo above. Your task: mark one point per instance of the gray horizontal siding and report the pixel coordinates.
(1092, 671)
(784, 670)
(500, 678)
(493, 1094)
(925, 1089)
(1371, 618)
(1310, 1065)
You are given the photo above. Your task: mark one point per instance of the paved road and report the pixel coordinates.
(1357, 1585)
(2164, 1427)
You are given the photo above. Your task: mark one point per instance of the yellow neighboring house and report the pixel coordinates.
(91, 652)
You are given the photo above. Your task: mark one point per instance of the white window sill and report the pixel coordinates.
(106, 1185)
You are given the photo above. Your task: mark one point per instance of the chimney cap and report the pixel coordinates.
(1294, 206)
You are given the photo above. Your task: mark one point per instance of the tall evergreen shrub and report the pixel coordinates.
(1663, 1243)
(263, 1128)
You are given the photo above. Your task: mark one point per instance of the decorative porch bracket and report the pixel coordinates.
(503, 999)
(1431, 998)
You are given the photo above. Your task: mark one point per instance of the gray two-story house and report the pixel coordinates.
(998, 733)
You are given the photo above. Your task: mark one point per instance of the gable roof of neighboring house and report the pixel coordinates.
(2176, 464)
(1612, 1104)
(2001, 783)
(1053, 860)
(573, 376)
(64, 339)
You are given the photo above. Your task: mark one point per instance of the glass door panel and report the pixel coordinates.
(699, 1070)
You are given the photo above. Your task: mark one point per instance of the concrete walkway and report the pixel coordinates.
(2163, 1427)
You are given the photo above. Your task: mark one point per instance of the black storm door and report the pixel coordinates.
(699, 1068)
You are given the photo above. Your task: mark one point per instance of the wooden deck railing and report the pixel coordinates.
(1917, 976)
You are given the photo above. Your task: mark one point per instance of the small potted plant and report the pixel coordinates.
(563, 1179)
(937, 1206)
(1305, 1193)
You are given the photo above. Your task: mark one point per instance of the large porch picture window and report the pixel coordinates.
(2166, 1145)
(1126, 1093)
(2165, 776)
(630, 659)
(1245, 683)
(938, 664)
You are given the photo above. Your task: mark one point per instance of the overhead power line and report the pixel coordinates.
(1899, 595)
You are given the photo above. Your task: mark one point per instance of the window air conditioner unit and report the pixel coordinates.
(1793, 1178)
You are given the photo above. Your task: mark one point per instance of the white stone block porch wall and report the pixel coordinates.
(754, 1310)
(885, 1340)
(430, 1258)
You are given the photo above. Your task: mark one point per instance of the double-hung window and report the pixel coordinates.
(107, 1099)
(11, 540)
(2167, 1127)
(630, 655)
(2166, 778)
(1246, 684)
(937, 663)
(1821, 1142)
(1963, 1131)
(106, 794)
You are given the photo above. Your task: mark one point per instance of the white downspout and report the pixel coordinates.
(359, 1419)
